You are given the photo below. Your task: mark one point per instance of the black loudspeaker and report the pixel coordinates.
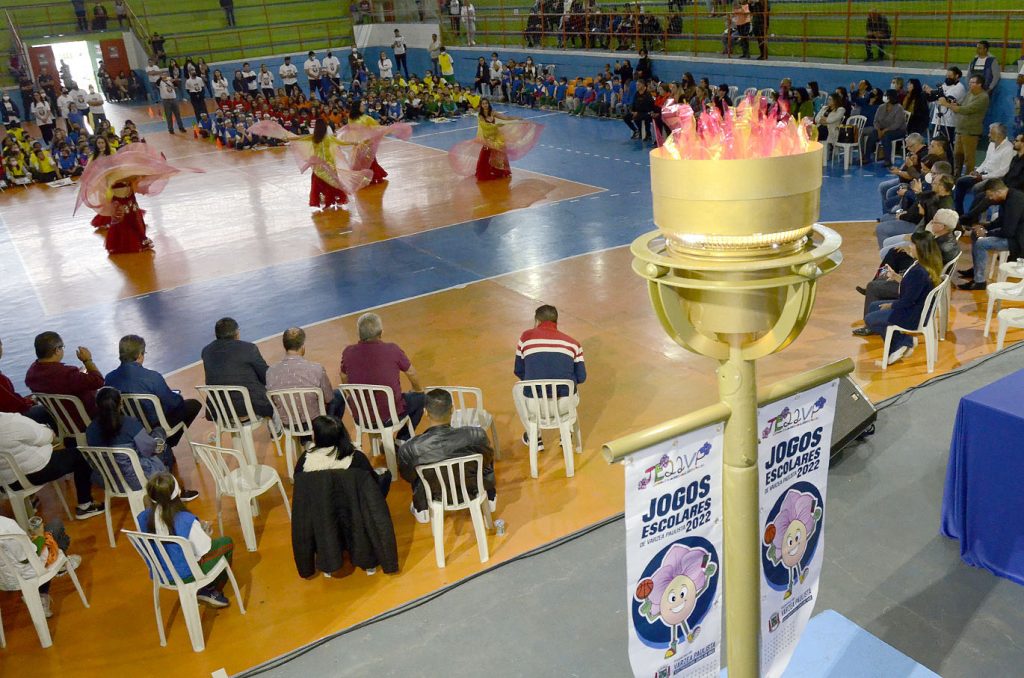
(855, 416)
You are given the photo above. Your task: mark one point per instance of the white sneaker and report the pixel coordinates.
(897, 355)
(74, 560)
(420, 516)
(492, 504)
(47, 609)
(372, 571)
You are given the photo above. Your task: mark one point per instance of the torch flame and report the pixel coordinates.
(750, 130)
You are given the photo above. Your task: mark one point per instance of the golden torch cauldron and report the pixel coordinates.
(731, 275)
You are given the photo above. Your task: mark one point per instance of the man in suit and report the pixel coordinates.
(1005, 233)
(229, 361)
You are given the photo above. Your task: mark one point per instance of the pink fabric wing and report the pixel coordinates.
(140, 164)
(464, 155)
(520, 137)
(271, 130)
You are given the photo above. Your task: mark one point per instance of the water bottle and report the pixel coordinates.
(499, 527)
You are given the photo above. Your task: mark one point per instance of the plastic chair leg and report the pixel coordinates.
(220, 514)
(110, 524)
(248, 444)
(193, 621)
(531, 434)
(579, 437)
(481, 532)
(19, 505)
(34, 603)
(245, 519)
(3, 638)
(437, 528)
(289, 455)
(1001, 339)
(75, 582)
(159, 616)
(387, 439)
(565, 434)
(885, 348)
(63, 501)
(284, 500)
(494, 436)
(234, 587)
(992, 303)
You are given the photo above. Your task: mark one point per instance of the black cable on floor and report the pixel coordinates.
(413, 604)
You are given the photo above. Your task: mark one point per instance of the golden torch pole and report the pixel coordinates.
(731, 274)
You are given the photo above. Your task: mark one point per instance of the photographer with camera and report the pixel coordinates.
(952, 90)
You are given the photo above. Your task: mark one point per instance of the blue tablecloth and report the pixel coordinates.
(983, 504)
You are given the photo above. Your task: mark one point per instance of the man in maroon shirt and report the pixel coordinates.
(380, 363)
(14, 402)
(48, 374)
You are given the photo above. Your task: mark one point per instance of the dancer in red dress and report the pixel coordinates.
(325, 190)
(498, 143)
(100, 221)
(109, 184)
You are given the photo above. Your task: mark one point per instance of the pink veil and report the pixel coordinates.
(339, 175)
(367, 140)
(518, 137)
(143, 166)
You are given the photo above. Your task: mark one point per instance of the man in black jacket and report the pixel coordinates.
(441, 442)
(760, 11)
(1014, 178)
(1005, 233)
(229, 361)
(638, 118)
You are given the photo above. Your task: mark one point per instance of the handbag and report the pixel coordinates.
(847, 134)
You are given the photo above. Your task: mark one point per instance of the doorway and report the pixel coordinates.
(79, 58)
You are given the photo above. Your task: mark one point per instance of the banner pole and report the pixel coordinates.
(737, 388)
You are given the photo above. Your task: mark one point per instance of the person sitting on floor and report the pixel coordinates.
(111, 428)
(31, 445)
(441, 442)
(229, 361)
(376, 362)
(544, 352)
(165, 515)
(338, 505)
(132, 377)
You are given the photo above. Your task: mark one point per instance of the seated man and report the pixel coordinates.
(1006, 233)
(48, 374)
(294, 371)
(1014, 178)
(441, 442)
(911, 169)
(12, 401)
(31, 445)
(132, 377)
(995, 166)
(380, 363)
(545, 353)
(229, 361)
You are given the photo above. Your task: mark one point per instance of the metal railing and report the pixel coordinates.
(945, 35)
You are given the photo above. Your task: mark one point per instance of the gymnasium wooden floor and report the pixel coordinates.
(222, 235)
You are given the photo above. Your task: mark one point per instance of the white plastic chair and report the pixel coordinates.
(926, 326)
(153, 549)
(734, 91)
(450, 476)
(900, 143)
(362, 398)
(142, 405)
(468, 410)
(540, 408)
(20, 498)
(1008, 317)
(944, 300)
(1009, 269)
(997, 293)
(24, 550)
(104, 460)
(68, 411)
(750, 92)
(245, 483)
(847, 148)
(292, 406)
(997, 261)
(239, 425)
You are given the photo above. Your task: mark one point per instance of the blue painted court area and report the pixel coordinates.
(178, 322)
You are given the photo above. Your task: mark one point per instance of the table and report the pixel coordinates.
(983, 505)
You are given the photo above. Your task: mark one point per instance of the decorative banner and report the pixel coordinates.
(793, 454)
(673, 556)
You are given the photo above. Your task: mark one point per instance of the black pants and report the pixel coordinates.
(83, 24)
(198, 103)
(641, 124)
(881, 48)
(401, 64)
(292, 89)
(414, 403)
(47, 132)
(63, 462)
(171, 113)
(229, 14)
(185, 414)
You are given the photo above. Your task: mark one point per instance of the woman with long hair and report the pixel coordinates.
(915, 103)
(500, 137)
(324, 189)
(915, 285)
(101, 148)
(365, 154)
(166, 515)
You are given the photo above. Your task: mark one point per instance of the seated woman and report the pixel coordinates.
(914, 286)
(338, 505)
(166, 516)
(917, 216)
(48, 540)
(111, 428)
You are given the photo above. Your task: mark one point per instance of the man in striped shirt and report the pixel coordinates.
(546, 353)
